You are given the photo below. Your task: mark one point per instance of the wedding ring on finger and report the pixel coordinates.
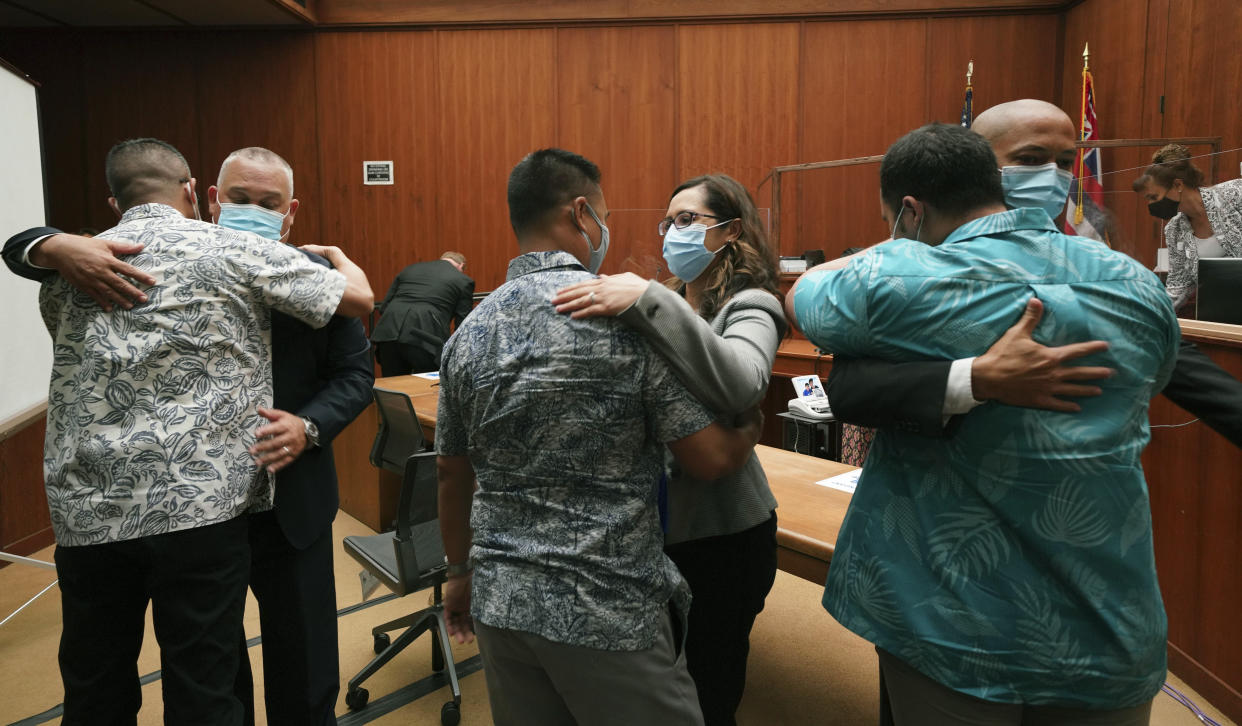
(286, 450)
(592, 298)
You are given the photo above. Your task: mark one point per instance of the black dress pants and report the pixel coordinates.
(730, 577)
(398, 359)
(296, 590)
(195, 580)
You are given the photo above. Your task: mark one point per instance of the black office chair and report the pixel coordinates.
(408, 560)
(400, 435)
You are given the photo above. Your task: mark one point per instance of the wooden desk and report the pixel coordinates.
(1194, 477)
(809, 516)
(424, 394)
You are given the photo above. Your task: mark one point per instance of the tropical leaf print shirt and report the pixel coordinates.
(151, 410)
(564, 422)
(1013, 561)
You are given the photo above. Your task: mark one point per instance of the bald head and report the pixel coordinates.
(1028, 133)
(141, 171)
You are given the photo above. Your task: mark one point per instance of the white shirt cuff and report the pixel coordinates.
(31, 246)
(958, 396)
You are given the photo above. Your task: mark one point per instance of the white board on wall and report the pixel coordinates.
(25, 347)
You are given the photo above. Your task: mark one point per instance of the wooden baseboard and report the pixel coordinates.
(1223, 696)
(29, 544)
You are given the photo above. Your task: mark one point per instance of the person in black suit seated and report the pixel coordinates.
(322, 380)
(415, 315)
(923, 397)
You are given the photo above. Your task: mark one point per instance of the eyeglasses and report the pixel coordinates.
(681, 221)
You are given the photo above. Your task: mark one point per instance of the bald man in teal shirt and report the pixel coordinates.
(1008, 572)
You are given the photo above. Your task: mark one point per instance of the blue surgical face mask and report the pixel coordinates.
(252, 218)
(685, 250)
(597, 253)
(897, 221)
(1043, 187)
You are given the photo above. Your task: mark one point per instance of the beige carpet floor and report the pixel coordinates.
(804, 668)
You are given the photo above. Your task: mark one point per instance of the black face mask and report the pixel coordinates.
(1165, 209)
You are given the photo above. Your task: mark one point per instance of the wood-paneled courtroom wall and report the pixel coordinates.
(456, 93)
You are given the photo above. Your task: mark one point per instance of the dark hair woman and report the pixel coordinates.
(718, 324)
(1202, 221)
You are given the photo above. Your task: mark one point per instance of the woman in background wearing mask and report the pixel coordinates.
(1202, 221)
(718, 324)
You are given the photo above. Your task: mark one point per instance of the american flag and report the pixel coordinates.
(1085, 215)
(968, 115)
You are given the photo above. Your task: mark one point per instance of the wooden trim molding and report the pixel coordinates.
(305, 14)
(1217, 692)
(22, 420)
(505, 12)
(1202, 331)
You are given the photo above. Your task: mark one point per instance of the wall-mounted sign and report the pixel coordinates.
(377, 172)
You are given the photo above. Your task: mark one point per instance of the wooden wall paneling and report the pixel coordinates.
(616, 106)
(1196, 499)
(25, 525)
(1203, 74)
(257, 88)
(1220, 544)
(61, 116)
(376, 100)
(1015, 57)
(863, 86)
(1175, 516)
(498, 100)
(737, 88)
(1125, 90)
(139, 84)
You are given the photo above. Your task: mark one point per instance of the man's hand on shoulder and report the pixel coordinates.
(1018, 371)
(358, 300)
(331, 253)
(91, 265)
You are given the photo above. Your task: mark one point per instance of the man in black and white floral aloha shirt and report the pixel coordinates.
(151, 412)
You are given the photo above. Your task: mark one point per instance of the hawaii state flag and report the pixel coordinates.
(1085, 215)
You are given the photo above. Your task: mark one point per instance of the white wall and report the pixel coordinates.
(25, 348)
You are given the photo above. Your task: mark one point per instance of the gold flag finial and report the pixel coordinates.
(1086, 56)
(970, 71)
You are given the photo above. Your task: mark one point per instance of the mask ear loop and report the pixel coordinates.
(897, 221)
(198, 215)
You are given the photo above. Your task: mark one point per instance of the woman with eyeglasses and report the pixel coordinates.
(718, 324)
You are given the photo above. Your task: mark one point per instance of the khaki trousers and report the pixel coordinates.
(533, 681)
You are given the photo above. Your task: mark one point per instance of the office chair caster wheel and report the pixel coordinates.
(381, 643)
(450, 714)
(356, 698)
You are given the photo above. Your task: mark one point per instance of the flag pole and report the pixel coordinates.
(1082, 128)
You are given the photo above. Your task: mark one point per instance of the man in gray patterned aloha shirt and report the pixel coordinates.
(151, 411)
(562, 422)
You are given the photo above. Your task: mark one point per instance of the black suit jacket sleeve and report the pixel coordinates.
(348, 375)
(881, 394)
(1207, 391)
(465, 303)
(16, 246)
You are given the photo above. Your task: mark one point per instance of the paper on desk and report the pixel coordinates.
(846, 482)
(432, 376)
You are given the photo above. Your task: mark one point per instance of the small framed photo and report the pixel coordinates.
(809, 387)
